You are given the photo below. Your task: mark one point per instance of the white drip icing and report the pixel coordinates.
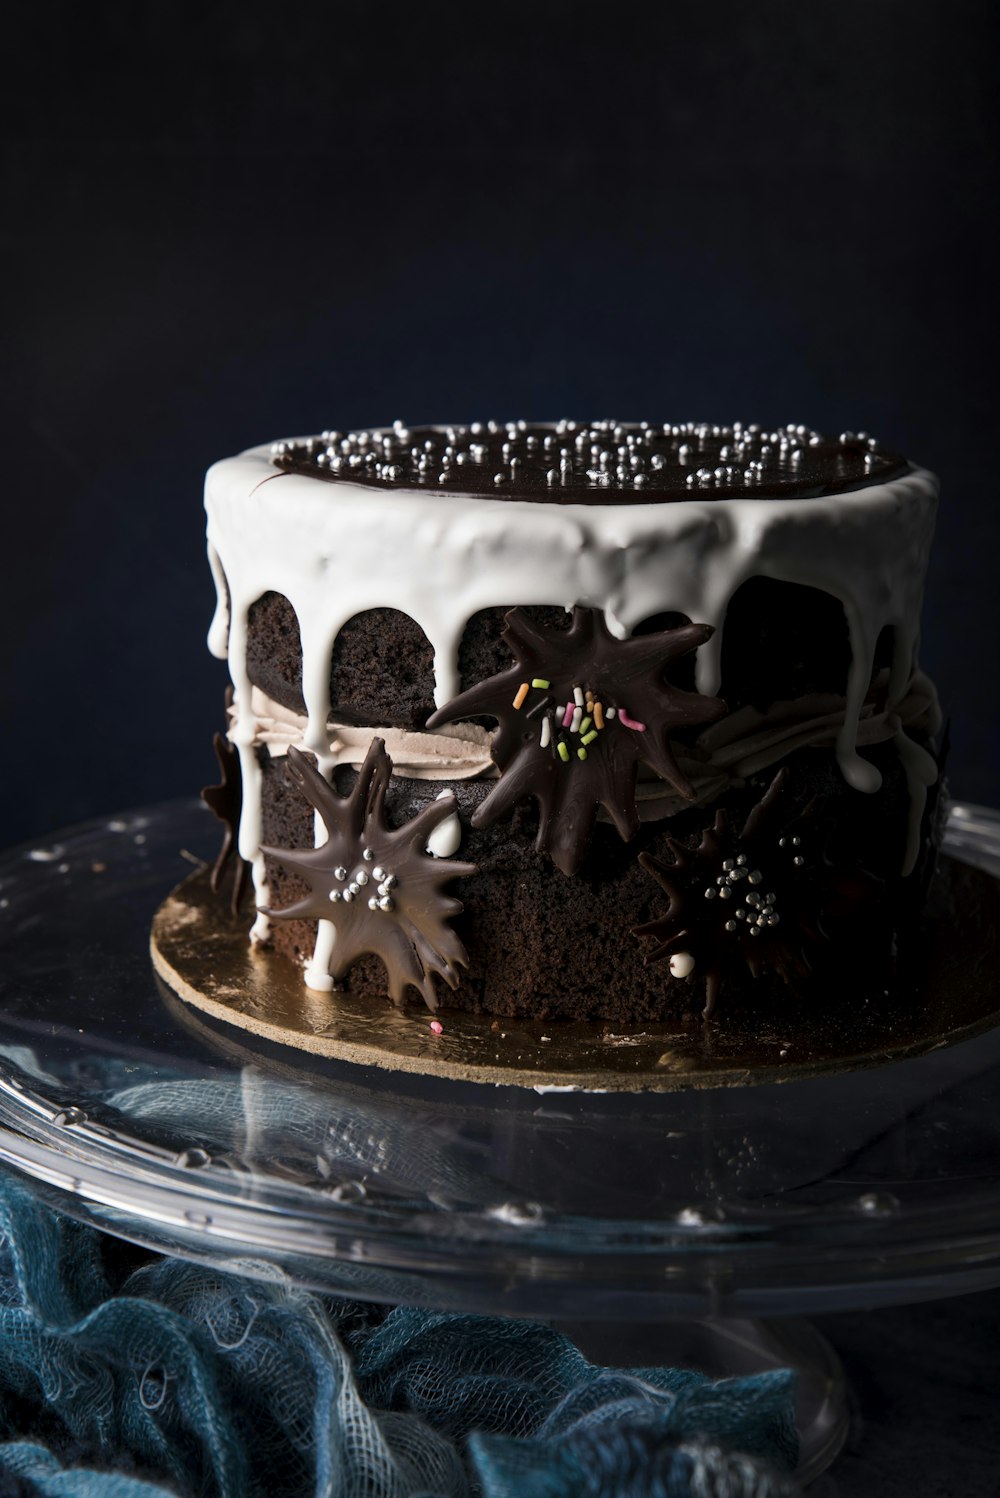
(337, 550)
(446, 839)
(317, 973)
(218, 630)
(244, 735)
(921, 773)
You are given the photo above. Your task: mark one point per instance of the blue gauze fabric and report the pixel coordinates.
(178, 1379)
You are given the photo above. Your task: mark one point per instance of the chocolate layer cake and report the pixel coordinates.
(578, 719)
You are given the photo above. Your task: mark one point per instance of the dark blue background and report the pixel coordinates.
(227, 226)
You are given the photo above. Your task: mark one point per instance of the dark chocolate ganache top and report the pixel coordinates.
(596, 462)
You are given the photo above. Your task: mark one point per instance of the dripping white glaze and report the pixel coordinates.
(317, 973)
(218, 630)
(446, 839)
(921, 773)
(323, 546)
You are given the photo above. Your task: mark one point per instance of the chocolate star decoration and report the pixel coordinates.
(577, 714)
(225, 801)
(763, 896)
(383, 892)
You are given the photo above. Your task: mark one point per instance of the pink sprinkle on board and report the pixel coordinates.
(623, 717)
(437, 1027)
(568, 714)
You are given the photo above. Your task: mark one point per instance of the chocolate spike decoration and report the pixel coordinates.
(225, 801)
(578, 714)
(764, 896)
(381, 890)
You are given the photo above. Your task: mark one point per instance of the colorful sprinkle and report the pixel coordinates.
(541, 683)
(578, 696)
(563, 752)
(609, 712)
(588, 738)
(546, 733)
(574, 726)
(437, 1027)
(522, 692)
(568, 715)
(599, 714)
(631, 722)
(581, 754)
(585, 725)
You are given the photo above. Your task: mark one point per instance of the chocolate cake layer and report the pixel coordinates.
(781, 641)
(381, 666)
(542, 944)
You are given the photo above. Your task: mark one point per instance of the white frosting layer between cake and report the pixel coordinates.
(337, 549)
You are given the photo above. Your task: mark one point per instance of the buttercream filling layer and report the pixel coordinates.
(744, 743)
(459, 751)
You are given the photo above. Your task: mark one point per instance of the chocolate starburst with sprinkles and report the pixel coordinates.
(763, 896)
(383, 892)
(577, 715)
(225, 801)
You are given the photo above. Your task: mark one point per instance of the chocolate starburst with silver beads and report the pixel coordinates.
(225, 802)
(763, 896)
(577, 714)
(596, 462)
(383, 892)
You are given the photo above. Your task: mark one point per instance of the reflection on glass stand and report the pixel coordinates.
(691, 1226)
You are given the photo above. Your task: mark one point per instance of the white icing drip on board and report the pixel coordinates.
(324, 547)
(317, 973)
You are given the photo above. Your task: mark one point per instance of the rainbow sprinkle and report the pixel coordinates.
(583, 716)
(630, 722)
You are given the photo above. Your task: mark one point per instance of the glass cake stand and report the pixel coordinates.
(695, 1225)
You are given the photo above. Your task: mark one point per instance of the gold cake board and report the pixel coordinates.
(209, 963)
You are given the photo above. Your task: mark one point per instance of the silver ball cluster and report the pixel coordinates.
(384, 882)
(738, 882)
(354, 884)
(692, 456)
(748, 455)
(795, 843)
